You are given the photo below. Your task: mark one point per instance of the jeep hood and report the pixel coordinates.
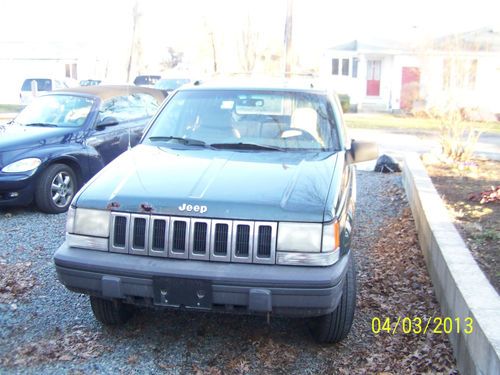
(262, 185)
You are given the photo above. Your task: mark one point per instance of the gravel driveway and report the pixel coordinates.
(46, 329)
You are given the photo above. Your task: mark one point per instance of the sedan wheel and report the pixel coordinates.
(56, 188)
(62, 189)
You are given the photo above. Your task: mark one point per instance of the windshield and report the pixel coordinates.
(170, 84)
(56, 110)
(281, 119)
(42, 84)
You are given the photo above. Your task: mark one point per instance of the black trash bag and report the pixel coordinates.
(386, 164)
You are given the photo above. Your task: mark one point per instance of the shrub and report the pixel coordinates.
(345, 102)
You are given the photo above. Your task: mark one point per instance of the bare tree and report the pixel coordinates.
(288, 38)
(459, 66)
(172, 58)
(248, 46)
(135, 45)
(214, 50)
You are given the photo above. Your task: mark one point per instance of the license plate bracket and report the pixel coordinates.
(180, 292)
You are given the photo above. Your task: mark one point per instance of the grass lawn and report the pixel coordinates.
(400, 122)
(10, 108)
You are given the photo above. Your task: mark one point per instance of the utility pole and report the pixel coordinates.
(288, 38)
(135, 18)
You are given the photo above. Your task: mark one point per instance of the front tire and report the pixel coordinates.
(335, 326)
(109, 312)
(55, 189)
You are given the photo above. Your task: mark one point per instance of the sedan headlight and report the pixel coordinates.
(23, 165)
(302, 237)
(88, 229)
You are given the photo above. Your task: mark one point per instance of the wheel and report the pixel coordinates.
(335, 326)
(110, 312)
(55, 189)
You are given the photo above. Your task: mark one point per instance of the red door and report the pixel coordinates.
(373, 78)
(410, 83)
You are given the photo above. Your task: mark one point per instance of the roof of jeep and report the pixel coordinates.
(257, 84)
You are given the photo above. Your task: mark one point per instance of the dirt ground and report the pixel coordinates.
(460, 186)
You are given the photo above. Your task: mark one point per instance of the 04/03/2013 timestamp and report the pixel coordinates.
(417, 325)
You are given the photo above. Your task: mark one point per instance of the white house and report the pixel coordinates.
(377, 76)
(19, 61)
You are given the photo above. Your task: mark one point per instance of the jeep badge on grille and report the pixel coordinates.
(195, 208)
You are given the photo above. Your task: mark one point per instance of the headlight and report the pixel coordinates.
(301, 237)
(308, 244)
(70, 220)
(23, 165)
(87, 222)
(331, 237)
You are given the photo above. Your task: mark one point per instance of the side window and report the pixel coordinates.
(147, 101)
(128, 107)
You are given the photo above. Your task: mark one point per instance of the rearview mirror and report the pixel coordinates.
(363, 151)
(105, 122)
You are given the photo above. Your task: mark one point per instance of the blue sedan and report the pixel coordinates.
(63, 138)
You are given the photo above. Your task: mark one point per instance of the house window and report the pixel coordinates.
(74, 71)
(68, 70)
(459, 73)
(335, 67)
(355, 62)
(345, 67)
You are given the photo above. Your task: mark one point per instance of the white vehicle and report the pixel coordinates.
(37, 86)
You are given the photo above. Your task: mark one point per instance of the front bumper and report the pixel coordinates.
(235, 287)
(16, 189)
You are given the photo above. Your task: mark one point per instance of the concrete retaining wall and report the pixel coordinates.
(460, 286)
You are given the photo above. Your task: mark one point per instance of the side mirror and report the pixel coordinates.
(105, 122)
(363, 151)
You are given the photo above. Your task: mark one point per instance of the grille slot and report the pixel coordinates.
(139, 232)
(139, 239)
(159, 232)
(179, 236)
(242, 245)
(221, 237)
(200, 238)
(120, 231)
(264, 241)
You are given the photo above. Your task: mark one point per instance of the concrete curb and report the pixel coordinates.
(460, 286)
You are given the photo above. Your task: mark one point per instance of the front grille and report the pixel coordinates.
(194, 238)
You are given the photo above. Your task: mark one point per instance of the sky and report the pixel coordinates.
(105, 26)
(318, 22)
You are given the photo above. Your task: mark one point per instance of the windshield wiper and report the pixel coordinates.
(246, 146)
(185, 141)
(42, 124)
